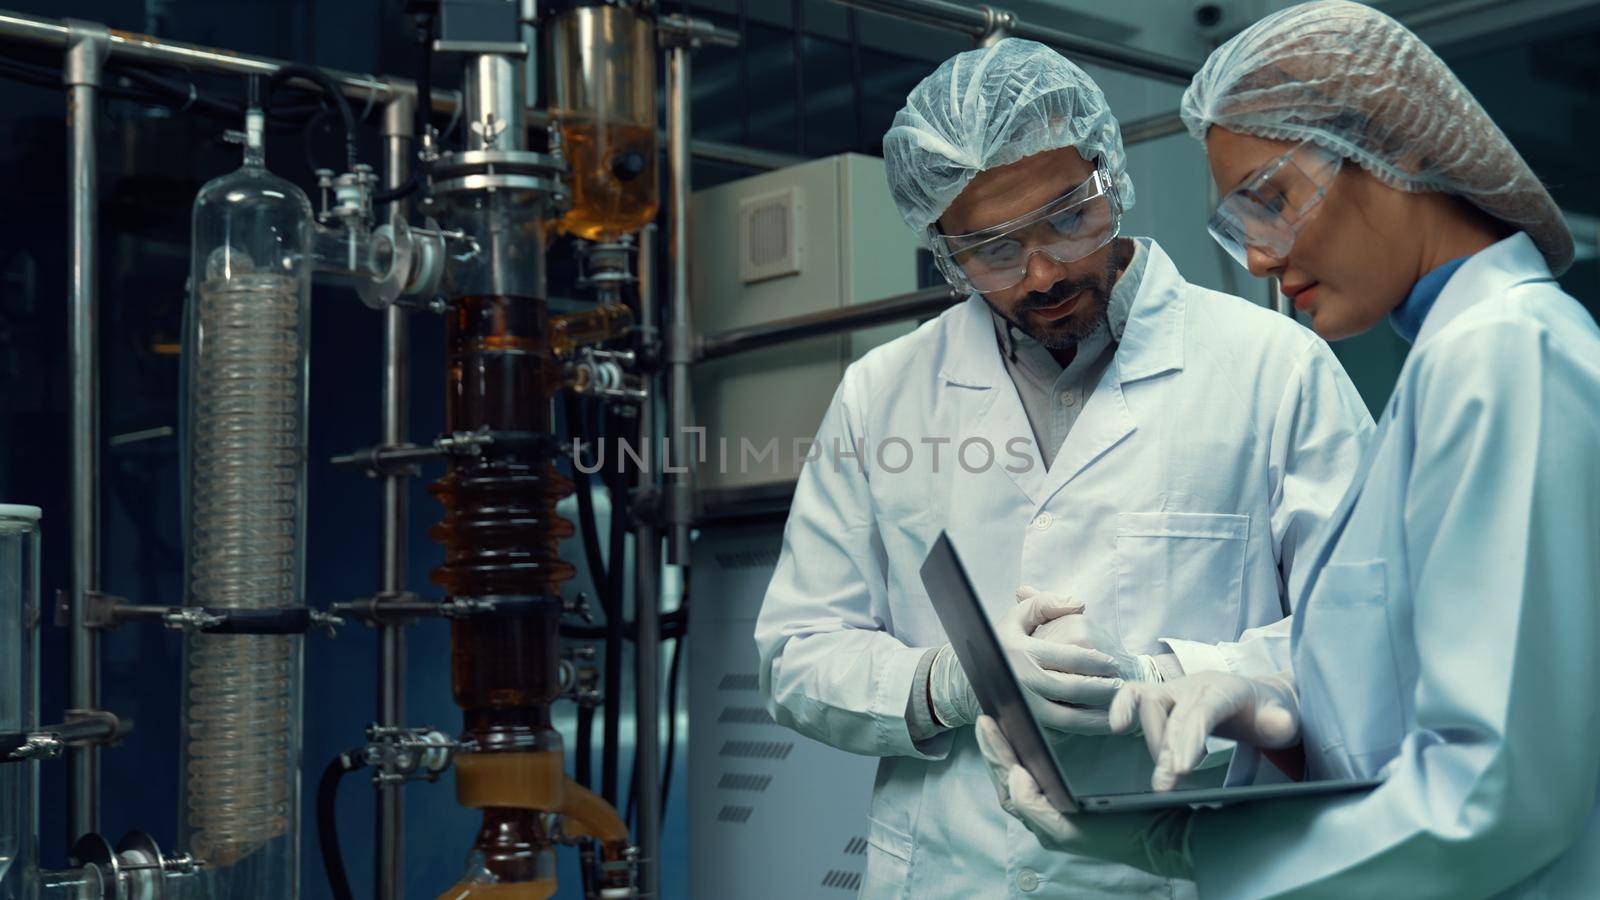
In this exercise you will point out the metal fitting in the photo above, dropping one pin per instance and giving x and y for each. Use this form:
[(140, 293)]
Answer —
[(402, 754)]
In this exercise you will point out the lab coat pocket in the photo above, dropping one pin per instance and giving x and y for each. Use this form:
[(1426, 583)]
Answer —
[(1179, 575), (888, 861), (1345, 662)]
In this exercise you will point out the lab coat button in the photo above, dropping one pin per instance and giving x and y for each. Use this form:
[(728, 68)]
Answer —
[(1042, 521), (1028, 880)]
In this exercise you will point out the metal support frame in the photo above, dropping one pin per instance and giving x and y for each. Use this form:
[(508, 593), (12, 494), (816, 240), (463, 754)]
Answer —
[(928, 301), (86, 45), (389, 875), (647, 609), (131, 47), (680, 332)]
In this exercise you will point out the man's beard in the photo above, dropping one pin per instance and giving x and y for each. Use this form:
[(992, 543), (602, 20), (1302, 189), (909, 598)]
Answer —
[(1066, 334)]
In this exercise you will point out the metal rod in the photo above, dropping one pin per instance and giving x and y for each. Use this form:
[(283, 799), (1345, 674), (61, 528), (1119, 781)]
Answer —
[(647, 607), (975, 22), (389, 877), (680, 333), (133, 47), (86, 53), (849, 318), (1151, 128), (799, 13)]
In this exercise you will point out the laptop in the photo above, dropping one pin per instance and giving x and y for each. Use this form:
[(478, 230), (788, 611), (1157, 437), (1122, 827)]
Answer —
[(1003, 698)]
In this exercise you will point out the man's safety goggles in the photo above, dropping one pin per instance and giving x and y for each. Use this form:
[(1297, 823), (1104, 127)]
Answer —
[(1066, 229), (1267, 212)]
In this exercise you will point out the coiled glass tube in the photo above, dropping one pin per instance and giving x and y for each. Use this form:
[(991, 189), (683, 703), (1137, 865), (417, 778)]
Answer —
[(245, 442)]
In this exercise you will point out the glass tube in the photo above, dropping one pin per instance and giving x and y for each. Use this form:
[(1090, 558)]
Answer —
[(603, 90), (246, 356), (19, 696)]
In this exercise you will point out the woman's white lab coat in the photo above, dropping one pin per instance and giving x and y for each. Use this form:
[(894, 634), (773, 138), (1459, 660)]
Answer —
[(1452, 640), (1193, 485)]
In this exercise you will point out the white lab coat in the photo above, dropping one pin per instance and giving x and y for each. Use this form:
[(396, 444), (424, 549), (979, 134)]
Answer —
[(1452, 640), (1203, 467)]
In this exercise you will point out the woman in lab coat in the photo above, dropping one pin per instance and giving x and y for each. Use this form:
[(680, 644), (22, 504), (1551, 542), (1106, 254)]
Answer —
[(1448, 639)]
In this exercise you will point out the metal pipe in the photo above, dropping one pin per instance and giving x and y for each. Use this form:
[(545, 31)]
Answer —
[(86, 54), (680, 332), (647, 606), (1151, 128), (389, 877), (132, 47), (833, 321), (978, 22)]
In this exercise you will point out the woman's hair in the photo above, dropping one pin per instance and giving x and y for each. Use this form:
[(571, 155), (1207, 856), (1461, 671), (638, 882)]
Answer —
[(1357, 82)]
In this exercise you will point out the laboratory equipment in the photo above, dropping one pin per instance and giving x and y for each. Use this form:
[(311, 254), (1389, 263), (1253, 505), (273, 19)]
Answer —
[(246, 358), (603, 98), (822, 235), (19, 696)]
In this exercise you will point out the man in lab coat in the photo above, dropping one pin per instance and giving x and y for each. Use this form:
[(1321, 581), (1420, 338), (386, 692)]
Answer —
[(1086, 423)]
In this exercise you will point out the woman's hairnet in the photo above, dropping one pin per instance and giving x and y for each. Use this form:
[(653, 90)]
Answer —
[(991, 107), (1359, 83)]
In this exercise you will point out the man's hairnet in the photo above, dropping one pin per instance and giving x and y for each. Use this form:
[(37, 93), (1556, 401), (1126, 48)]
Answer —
[(991, 107), (1359, 83)]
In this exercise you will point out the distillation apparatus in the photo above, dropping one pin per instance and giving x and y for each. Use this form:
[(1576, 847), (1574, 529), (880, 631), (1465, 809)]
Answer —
[(490, 208)]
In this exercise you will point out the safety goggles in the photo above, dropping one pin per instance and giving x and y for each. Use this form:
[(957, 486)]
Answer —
[(1267, 212), (1066, 229)]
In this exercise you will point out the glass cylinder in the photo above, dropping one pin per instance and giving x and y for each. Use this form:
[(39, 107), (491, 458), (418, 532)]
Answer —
[(245, 352), (19, 696), (603, 97)]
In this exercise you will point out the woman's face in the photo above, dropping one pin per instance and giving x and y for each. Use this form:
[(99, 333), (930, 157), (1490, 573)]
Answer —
[(1355, 258)]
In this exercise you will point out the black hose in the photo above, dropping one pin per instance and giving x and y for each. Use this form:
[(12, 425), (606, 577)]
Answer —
[(334, 94), (672, 724), (328, 823), (611, 752), (587, 527)]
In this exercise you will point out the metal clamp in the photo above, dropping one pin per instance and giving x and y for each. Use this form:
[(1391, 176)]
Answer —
[(602, 373), (405, 606), (579, 676), (81, 728), (104, 612), (401, 459), (136, 868), (402, 754), (346, 198)]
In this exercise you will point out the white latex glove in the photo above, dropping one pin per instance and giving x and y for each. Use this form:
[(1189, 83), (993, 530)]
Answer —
[(1085, 630), (1064, 674), (954, 703), (1078, 681), (1178, 715), (1156, 842)]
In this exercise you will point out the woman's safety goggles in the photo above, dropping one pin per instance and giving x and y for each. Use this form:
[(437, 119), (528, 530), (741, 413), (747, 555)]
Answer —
[(1066, 229), (1267, 212)]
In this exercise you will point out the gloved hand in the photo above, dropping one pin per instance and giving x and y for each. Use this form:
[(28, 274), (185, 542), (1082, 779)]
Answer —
[(1065, 674), (1085, 630), (1078, 681), (1178, 715), (1157, 842)]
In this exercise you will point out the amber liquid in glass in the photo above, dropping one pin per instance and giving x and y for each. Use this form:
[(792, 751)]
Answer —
[(501, 537), (614, 177)]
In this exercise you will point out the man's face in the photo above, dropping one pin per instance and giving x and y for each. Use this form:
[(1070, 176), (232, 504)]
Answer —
[(1057, 304)]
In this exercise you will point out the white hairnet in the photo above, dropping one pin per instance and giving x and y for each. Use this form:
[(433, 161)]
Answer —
[(991, 107), (1359, 83)]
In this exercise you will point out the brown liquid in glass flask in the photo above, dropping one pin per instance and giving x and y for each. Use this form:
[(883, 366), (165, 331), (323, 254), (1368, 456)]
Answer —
[(501, 537)]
